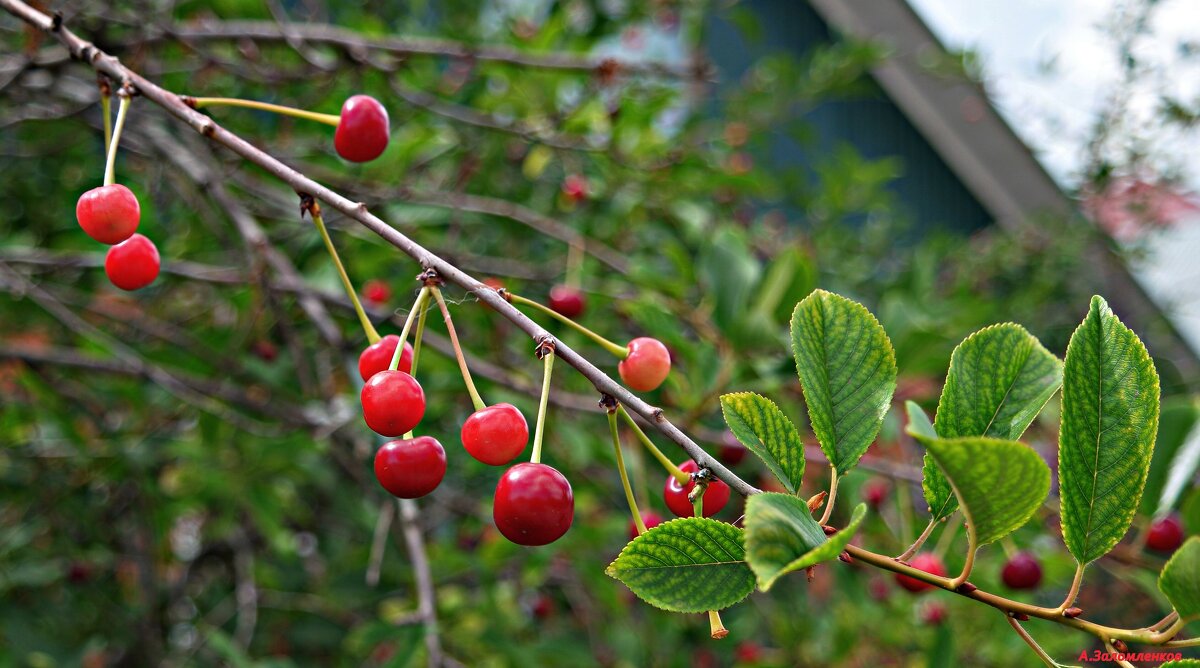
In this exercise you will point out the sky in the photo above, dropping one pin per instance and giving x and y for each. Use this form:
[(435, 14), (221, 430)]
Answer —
[(1049, 68)]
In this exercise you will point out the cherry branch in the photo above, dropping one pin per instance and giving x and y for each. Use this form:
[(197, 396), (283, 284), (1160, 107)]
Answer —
[(206, 126)]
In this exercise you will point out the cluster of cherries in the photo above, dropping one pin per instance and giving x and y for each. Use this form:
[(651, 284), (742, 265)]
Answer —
[(110, 214)]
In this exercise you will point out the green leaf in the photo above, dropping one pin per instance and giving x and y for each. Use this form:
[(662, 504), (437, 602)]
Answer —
[(1000, 378), (1000, 484), (759, 424), (1181, 472), (1180, 580), (938, 494), (686, 565), (847, 371), (782, 536), (1109, 419)]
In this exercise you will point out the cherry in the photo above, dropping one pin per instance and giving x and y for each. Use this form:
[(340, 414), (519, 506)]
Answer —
[(927, 562), (1023, 571), (542, 607), (393, 403), (264, 350), (410, 468), (676, 495), (732, 451), (568, 301), (534, 504), (109, 214), (377, 356), (647, 365), (934, 614), (377, 292), (748, 651), (650, 518), (133, 263), (1166, 534), (875, 492), (495, 435), (362, 133), (575, 187)]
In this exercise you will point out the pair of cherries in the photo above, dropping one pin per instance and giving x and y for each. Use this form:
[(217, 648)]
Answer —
[(534, 504), (110, 214)]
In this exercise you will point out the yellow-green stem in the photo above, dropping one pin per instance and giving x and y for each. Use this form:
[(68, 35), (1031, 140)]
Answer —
[(476, 400), (408, 323), (912, 549), (575, 264), (368, 328), (327, 119), (620, 352), (110, 165), (106, 110), (633, 508), (716, 628), (671, 468), (949, 533), (1037, 649), (833, 485), (548, 368), (417, 345), (1073, 592)]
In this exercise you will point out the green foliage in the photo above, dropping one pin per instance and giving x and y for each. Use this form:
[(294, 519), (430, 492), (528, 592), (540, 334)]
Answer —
[(1176, 426), (1180, 580), (847, 369), (782, 536), (686, 565), (999, 484), (1109, 420), (759, 424)]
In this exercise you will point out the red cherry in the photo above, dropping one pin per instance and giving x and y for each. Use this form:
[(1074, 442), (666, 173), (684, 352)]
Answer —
[(934, 614), (377, 292), (133, 263), (495, 435), (362, 133), (1166, 534), (377, 356), (732, 451), (1022, 572), (542, 607), (923, 562), (575, 187), (748, 651), (534, 504), (109, 214), (647, 365), (875, 492), (650, 518), (410, 468), (676, 495), (393, 403), (567, 300), (264, 350)]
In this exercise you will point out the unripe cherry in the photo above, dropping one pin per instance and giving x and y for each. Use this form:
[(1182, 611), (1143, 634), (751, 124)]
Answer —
[(495, 435), (109, 214), (650, 518), (646, 366), (410, 468), (927, 562), (534, 504), (393, 403), (377, 356), (1166, 534), (567, 301), (676, 495), (362, 133), (133, 263), (1023, 571)]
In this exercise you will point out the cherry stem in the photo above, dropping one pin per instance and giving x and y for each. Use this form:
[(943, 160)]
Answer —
[(327, 119), (698, 505), (833, 486), (476, 400), (417, 345), (912, 549), (408, 323), (1073, 592), (575, 264), (948, 535), (1009, 547), (1046, 658), (716, 629), (1113, 651), (619, 352), (106, 110), (670, 466), (368, 328), (548, 368), (111, 164), (633, 508)]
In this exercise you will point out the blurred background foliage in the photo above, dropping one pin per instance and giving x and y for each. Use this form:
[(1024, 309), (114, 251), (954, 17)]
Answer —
[(185, 479)]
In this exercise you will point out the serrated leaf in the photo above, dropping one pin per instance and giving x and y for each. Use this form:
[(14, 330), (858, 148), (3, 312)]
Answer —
[(999, 484), (1000, 378), (847, 369), (1109, 419), (1180, 580), (938, 494), (760, 426), (782, 536), (686, 565)]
